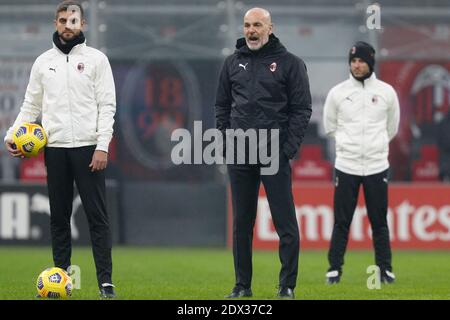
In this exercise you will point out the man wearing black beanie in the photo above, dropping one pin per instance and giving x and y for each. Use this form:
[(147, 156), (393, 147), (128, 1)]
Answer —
[(362, 114), (366, 53)]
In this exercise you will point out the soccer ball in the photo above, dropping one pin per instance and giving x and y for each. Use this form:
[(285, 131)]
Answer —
[(30, 138), (54, 283)]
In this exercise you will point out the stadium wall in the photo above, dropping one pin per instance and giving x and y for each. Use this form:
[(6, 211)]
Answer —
[(174, 214), (25, 215)]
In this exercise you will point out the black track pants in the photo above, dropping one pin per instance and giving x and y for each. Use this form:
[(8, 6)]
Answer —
[(345, 200), (245, 181), (64, 166)]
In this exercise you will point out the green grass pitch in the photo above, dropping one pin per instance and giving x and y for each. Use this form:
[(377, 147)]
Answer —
[(202, 274)]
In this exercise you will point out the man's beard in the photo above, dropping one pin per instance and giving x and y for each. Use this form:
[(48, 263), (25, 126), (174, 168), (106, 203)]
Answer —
[(65, 38), (254, 48), (363, 77), (259, 45)]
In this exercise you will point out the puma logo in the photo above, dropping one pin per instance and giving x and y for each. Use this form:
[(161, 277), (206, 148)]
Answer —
[(243, 66), (52, 69)]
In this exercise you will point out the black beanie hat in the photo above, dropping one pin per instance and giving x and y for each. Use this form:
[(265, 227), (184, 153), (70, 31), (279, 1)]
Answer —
[(365, 52)]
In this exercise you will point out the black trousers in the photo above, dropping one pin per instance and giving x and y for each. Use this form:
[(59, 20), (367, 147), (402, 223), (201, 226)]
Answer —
[(245, 182), (64, 166), (345, 199)]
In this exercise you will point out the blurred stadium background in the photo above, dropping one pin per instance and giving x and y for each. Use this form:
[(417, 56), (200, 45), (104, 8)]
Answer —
[(166, 56)]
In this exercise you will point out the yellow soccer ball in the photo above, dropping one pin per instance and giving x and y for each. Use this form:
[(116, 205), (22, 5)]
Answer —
[(29, 138), (54, 283)]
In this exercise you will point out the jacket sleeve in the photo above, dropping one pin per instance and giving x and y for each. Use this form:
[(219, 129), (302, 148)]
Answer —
[(32, 104), (299, 97), (105, 94), (330, 114), (393, 117), (223, 99)]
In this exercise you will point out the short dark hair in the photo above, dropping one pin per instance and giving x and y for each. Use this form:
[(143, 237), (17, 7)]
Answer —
[(63, 6)]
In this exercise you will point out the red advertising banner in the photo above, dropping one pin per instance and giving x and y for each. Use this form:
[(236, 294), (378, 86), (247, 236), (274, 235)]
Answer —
[(418, 217)]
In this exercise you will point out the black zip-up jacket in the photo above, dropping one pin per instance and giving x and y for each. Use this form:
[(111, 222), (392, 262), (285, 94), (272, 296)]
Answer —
[(265, 89)]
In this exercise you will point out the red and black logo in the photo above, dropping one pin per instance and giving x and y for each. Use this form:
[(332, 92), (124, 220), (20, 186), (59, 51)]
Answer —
[(80, 67)]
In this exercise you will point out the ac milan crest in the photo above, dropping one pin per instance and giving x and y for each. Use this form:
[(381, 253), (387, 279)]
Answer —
[(353, 50), (80, 67), (374, 99), (273, 67)]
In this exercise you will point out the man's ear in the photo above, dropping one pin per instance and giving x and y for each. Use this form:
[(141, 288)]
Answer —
[(271, 29)]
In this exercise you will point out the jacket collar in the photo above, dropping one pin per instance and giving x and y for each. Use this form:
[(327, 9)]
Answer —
[(67, 48), (366, 82), (74, 49)]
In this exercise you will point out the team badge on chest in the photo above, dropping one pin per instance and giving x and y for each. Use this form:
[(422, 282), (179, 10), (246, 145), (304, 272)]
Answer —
[(273, 67), (80, 67), (374, 99)]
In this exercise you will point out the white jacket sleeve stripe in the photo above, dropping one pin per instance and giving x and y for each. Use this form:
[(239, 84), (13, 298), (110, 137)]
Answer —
[(105, 94)]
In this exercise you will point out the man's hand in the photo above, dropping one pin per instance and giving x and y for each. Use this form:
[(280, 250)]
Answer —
[(99, 160), (12, 149)]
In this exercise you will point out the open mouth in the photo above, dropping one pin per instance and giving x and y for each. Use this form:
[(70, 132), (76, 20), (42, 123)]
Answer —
[(253, 39)]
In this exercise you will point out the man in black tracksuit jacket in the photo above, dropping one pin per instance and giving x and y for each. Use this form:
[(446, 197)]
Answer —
[(263, 86)]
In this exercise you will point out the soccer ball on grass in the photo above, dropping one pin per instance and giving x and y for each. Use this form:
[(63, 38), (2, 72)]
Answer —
[(54, 283)]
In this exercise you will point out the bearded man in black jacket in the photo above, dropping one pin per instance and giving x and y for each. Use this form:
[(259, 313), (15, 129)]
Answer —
[(263, 86)]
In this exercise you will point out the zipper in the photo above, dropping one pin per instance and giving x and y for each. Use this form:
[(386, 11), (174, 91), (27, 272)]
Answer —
[(253, 75), (363, 130), (253, 70), (68, 97)]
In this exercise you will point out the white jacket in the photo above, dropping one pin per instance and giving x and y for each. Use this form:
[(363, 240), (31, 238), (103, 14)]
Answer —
[(76, 96), (362, 119)]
